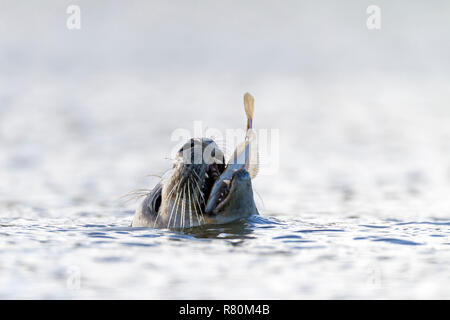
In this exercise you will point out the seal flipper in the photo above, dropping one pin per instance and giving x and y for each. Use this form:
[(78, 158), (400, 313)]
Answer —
[(147, 213)]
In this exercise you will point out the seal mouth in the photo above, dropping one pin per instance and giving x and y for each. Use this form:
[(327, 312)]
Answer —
[(212, 174), (199, 164)]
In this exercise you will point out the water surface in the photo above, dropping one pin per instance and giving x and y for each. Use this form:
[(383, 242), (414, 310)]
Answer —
[(98, 256)]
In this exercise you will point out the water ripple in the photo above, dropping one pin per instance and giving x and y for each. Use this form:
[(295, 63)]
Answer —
[(398, 241)]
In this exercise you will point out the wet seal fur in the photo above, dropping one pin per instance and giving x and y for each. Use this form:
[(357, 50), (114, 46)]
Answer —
[(179, 200)]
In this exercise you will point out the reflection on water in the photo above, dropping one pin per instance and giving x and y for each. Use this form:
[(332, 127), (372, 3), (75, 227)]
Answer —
[(240, 229), (237, 230)]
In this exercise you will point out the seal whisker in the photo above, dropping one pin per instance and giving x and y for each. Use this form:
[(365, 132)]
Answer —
[(190, 205), (199, 209), (199, 190), (183, 207), (157, 213), (173, 207), (177, 205), (134, 195), (130, 197), (178, 214), (170, 193), (198, 177), (175, 187), (198, 202), (156, 219), (195, 208)]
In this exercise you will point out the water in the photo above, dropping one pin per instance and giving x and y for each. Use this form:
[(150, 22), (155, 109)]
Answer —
[(357, 207), (278, 257)]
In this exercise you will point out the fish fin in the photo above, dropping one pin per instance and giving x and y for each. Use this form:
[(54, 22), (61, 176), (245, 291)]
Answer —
[(253, 167), (249, 106), (238, 154)]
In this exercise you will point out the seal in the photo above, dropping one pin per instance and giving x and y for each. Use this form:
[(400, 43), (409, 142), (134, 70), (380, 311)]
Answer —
[(180, 200), (201, 189)]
